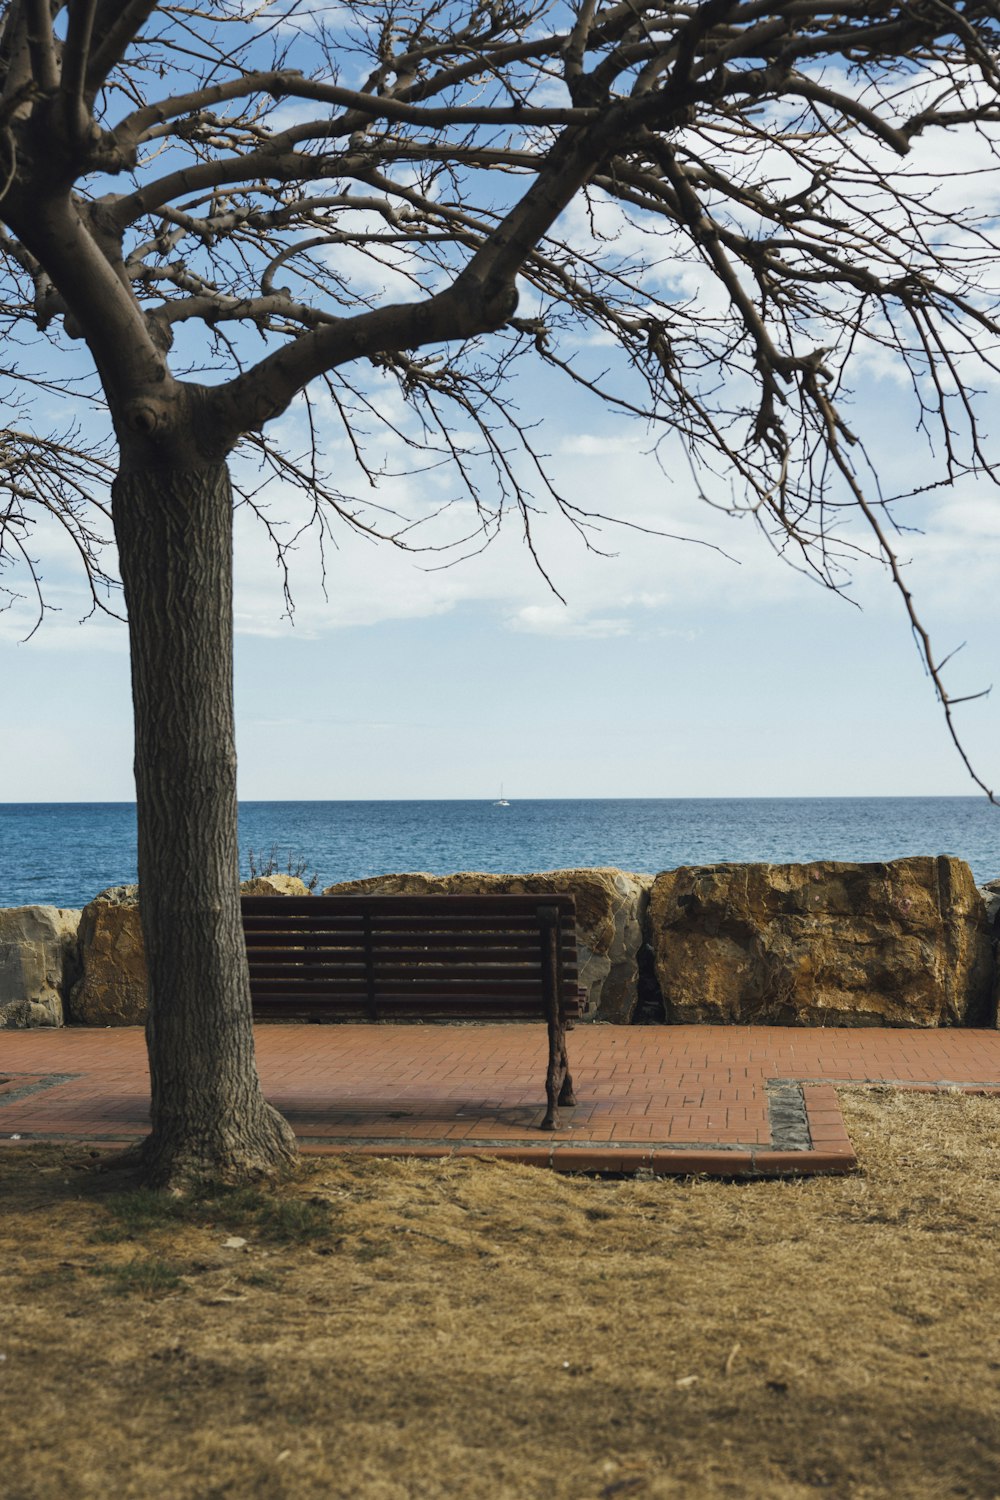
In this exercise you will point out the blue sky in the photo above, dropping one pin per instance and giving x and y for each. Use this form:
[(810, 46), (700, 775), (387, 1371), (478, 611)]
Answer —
[(670, 671)]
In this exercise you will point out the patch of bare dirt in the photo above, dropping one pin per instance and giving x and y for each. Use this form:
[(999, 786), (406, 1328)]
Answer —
[(396, 1330)]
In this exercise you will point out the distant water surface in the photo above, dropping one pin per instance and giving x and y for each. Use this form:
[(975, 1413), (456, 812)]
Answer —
[(64, 853)]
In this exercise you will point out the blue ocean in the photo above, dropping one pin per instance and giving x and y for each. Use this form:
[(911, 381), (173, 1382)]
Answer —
[(62, 854)]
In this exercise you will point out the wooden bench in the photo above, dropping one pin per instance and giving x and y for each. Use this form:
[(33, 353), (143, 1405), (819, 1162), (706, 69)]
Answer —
[(420, 958)]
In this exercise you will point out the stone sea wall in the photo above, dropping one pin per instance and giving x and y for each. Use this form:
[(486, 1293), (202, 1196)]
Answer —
[(910, 942)]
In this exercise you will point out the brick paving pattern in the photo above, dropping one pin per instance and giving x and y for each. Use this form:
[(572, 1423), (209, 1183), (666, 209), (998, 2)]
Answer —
[(732, 1101)]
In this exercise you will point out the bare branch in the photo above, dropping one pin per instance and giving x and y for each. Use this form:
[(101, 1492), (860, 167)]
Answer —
[(76, 54), (115, 27), (41, 45)]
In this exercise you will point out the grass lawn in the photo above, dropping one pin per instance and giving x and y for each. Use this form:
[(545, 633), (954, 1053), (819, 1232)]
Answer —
[(404, 1330)]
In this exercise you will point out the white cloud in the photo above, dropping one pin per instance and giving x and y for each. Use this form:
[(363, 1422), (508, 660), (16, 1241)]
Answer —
[(556, 619)]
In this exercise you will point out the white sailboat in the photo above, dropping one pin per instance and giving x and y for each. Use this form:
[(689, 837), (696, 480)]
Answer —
[(501, 800)]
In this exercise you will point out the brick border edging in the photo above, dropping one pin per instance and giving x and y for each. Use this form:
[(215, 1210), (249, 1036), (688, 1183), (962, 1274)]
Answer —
[(624, 1161), (829, 1152)]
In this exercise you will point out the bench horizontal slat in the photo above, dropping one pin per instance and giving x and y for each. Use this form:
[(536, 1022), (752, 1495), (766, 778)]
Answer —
[(513, 909), (428, 1014), (342, 958), (425, 942), (408, 906), (404, 958), (468, 993), (452, 1007), (413, 939), (461, 1005), (398, 977)]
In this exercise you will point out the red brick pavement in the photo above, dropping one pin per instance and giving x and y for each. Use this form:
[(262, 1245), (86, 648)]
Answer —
[(668, 1099)]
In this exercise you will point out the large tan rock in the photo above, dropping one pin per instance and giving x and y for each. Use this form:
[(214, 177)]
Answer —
[(610, 907), (899, 944), (112, 988), (274, 885), (38, 963)]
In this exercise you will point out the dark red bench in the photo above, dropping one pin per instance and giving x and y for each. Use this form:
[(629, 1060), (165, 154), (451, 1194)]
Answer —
[(420, 958)]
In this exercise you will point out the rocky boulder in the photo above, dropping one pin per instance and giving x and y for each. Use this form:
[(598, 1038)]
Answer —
[(610, 911), (111, 990), (274, 885), (112, 987), (38, 963), (899, 944)]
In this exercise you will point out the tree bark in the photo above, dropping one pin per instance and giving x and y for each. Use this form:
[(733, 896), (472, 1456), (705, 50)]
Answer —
[(209, 1118)]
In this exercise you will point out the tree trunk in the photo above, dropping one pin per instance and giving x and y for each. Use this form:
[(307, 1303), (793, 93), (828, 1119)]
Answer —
[(209, 1117)]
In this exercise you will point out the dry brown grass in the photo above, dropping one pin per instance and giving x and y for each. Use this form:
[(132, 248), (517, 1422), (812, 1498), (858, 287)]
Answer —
[(392, 1330)]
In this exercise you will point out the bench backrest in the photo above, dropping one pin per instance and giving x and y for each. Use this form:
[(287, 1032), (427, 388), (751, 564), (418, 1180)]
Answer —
[(417, 957)]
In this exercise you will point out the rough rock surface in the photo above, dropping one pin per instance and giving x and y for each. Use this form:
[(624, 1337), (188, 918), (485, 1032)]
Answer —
[(275, 885), (990, 893), (610, 908), (119, 895), (111, 990), (899, 944), (37, 964)]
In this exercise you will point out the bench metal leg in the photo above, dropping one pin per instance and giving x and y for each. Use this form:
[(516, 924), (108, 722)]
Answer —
[(558, 1083)]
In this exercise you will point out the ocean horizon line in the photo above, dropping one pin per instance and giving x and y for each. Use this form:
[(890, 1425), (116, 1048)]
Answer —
[(489, 797)]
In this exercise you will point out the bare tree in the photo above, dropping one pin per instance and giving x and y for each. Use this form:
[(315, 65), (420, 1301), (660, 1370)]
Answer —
[(234, 204)]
